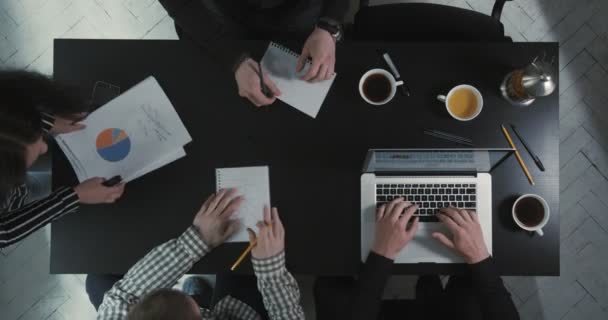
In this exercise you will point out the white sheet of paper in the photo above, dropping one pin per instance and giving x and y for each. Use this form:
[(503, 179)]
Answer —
[(253, 184), (178, 154), (280, 64), (142, 118)]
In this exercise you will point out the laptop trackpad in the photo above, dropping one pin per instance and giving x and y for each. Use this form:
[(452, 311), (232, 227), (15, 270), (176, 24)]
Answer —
[(425, 248)]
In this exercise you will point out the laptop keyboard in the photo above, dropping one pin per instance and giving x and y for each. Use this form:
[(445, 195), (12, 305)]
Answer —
[(429, 197)]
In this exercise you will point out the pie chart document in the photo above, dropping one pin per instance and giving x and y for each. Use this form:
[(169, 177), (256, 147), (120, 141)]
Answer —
[(133, 134)]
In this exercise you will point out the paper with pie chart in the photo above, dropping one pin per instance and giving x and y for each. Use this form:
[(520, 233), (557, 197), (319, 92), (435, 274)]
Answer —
[(133, 134)]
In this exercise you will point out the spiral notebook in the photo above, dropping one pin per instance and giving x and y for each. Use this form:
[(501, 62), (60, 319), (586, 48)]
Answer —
[(253, 184), (280, 64)]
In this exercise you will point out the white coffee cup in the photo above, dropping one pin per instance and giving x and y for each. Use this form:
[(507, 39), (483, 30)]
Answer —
[(546, 213), (446, 98), (394, 83)]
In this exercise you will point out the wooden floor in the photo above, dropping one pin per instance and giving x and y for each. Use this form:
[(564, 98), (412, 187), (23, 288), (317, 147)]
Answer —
[(27, 29)]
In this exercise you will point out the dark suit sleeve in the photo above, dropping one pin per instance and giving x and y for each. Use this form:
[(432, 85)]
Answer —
[(367, 295), (205, 29), (335, 9), (494, 299)]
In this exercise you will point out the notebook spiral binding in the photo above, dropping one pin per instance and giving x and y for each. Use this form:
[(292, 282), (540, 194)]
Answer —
[(218, 180), (285, 49)]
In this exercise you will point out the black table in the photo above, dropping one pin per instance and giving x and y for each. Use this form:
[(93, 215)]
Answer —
[(315, 164)]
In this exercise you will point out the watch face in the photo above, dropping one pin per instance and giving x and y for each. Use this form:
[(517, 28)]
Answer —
[(332, 27)]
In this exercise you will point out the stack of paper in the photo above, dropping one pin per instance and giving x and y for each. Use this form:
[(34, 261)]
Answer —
[(135, 133)]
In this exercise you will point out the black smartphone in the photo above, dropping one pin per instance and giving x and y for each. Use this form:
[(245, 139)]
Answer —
[(103, 93)]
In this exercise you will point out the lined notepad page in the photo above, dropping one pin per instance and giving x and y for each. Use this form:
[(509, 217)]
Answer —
[(253, 184), (280, 64)]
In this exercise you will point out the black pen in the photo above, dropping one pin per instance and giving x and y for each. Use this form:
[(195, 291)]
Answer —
[(536, 159), (404, 88), (265, 89), (448, 137), (112, 181)]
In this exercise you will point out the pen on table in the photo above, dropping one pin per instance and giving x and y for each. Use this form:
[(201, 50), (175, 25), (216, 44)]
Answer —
[(265, 89), (536, 159), (244, 254), (519, 159), (448, 137), (404, 88)]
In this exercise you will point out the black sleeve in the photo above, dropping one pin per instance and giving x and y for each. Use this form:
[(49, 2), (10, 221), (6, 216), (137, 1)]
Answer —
[(335, 9), (494, 299), (204, 29), (367, 295)]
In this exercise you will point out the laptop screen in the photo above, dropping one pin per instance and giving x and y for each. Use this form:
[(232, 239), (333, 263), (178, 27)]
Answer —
[(434, 160)]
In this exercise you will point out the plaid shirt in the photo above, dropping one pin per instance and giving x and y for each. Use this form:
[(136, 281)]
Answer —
[(164, 265)]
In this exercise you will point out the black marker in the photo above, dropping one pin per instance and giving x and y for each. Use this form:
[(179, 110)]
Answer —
[(534, 157), (112, 181)]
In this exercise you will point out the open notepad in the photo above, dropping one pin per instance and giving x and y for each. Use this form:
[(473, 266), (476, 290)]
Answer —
[(253, 184), (280, 64)]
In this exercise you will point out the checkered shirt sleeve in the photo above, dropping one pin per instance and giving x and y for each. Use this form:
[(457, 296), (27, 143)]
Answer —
[(279, 289), (160, 268)]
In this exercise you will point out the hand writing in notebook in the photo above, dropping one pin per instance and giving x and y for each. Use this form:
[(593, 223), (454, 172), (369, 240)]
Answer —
[(320, 47), (213, 221), (248, 81)]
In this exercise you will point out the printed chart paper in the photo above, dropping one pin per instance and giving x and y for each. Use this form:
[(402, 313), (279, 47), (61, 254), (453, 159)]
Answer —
[(133, 134)]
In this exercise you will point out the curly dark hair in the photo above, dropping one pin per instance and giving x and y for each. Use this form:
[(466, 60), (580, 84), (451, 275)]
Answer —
[(24, 96)]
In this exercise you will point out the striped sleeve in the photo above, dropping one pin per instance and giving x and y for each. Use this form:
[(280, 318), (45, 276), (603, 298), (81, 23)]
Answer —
[(48, 121), (16, 199), (18, 221), (160, 268), (279, 289)]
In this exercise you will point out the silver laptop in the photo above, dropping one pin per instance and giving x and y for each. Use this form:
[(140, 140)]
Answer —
[(433, 179)]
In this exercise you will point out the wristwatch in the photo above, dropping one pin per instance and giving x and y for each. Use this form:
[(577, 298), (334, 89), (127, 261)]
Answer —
[(332, 26)]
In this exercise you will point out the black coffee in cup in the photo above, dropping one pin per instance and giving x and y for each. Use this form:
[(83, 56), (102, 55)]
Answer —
[(530, 211), (377, 87)]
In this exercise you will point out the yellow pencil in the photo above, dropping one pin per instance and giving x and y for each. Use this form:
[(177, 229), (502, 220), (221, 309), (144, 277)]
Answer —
[(521, 161), (244, 254)]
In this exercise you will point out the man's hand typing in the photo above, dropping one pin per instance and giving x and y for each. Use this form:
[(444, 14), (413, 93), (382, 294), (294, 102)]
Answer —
[(467, 237), (393, 231)]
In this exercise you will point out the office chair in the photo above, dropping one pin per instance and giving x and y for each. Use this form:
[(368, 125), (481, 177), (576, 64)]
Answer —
[(425, 22)]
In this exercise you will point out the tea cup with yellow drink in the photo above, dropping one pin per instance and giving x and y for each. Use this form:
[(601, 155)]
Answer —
[(463, 102)]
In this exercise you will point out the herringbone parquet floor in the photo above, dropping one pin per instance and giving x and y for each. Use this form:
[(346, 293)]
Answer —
[(28, 27)]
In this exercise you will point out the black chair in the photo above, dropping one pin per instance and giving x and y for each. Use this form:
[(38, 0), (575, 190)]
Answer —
[(427, 22)]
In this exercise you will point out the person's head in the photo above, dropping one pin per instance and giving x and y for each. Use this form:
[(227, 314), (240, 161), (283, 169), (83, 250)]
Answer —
[(21, 143), (23, 97), (165, 304)]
